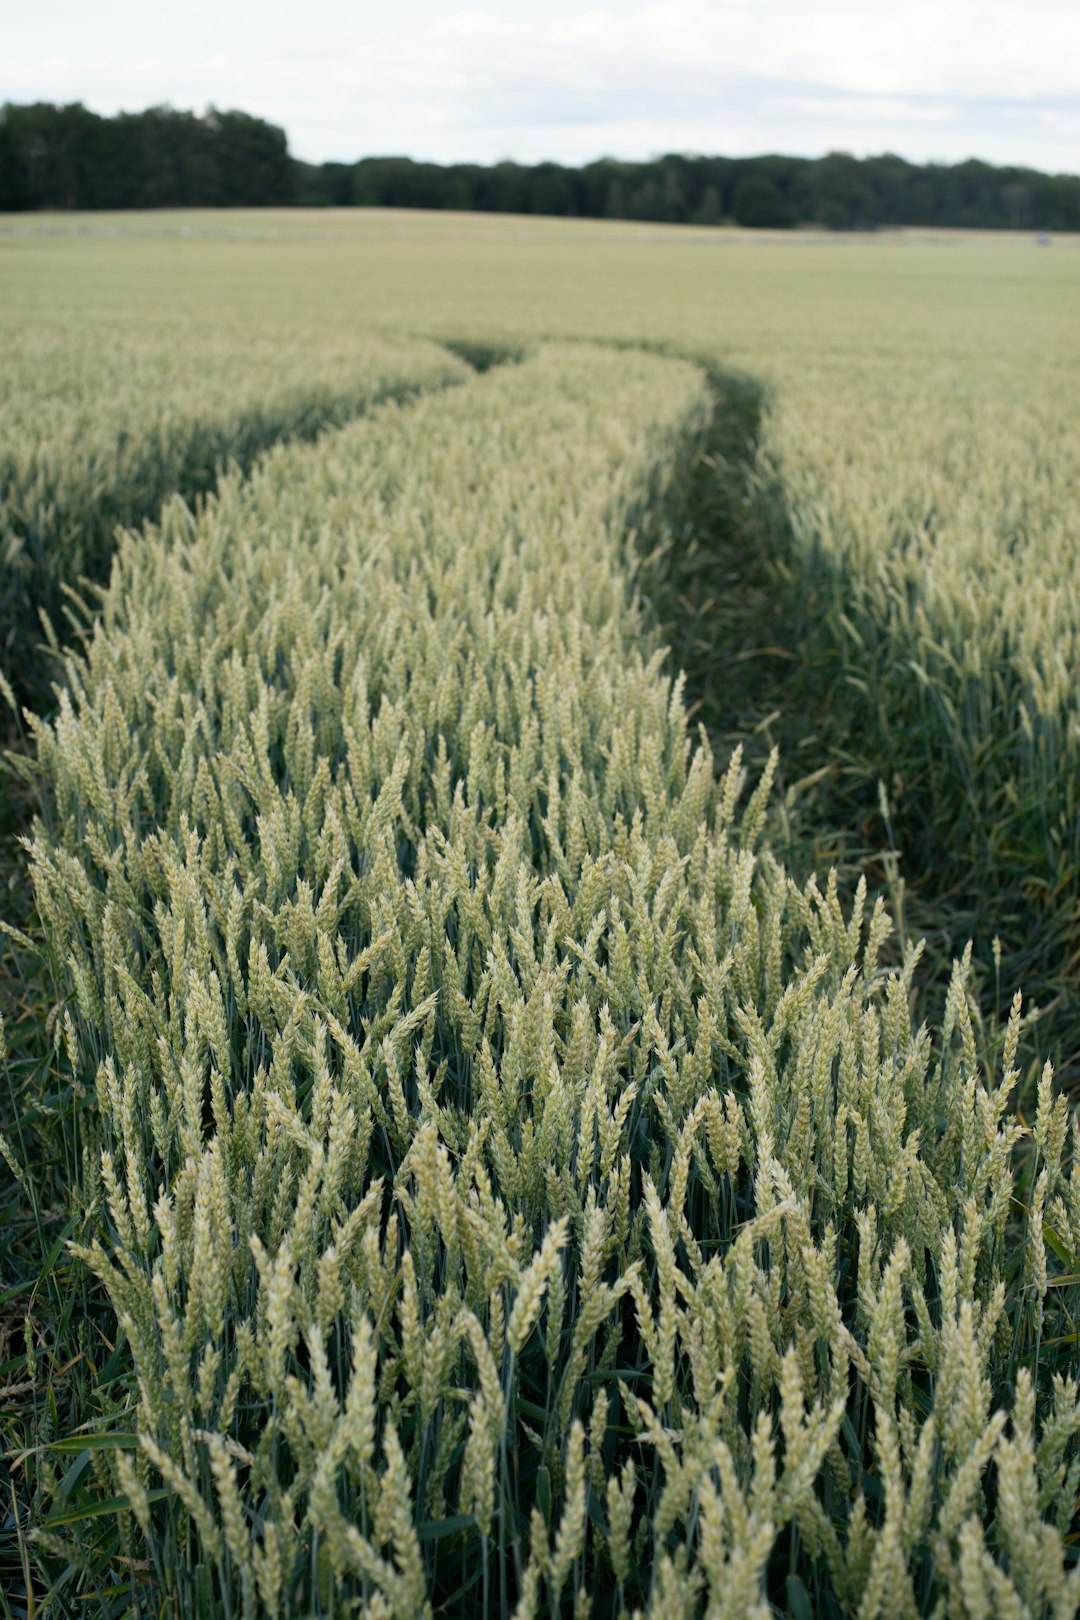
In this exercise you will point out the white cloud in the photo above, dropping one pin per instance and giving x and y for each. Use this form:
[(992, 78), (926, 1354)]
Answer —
[(951, 78)]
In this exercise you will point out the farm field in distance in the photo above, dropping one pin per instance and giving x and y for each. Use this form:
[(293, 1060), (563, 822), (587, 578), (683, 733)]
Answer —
[(513, 725)]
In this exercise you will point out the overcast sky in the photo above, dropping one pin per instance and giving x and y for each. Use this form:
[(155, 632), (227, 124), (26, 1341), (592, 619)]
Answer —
[(349, 78)]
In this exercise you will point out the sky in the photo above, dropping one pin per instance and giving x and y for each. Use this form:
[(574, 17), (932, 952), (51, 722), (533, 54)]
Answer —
[(480, 82)]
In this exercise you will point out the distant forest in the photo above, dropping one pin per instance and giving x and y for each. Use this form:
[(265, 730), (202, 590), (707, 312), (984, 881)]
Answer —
[(69, 157)]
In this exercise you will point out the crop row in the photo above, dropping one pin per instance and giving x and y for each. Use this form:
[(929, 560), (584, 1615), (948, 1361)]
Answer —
[(513, 1191), (933, 544), (96, 431)]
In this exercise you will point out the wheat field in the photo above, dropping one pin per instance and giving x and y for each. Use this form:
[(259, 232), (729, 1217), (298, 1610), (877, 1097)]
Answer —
[(462, 1156)]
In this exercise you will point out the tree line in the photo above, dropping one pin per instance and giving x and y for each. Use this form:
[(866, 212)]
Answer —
[(69, 157)]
